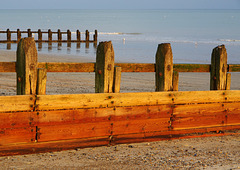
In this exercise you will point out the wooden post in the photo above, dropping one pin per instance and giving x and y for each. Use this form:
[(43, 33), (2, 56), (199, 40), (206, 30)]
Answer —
[(104, 70), (29, 33), (49, 35), (228, 86), (87, 35), (78, 35), (164, 68), (41, 81), (8, 35), (95, 36), (218, 75), (117, 79), (39, 35), (68, 35), (175, 80), (26, 67), (18, 35), (59, 35)]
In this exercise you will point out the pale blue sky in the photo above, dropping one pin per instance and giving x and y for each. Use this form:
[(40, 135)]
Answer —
[(120, 4)]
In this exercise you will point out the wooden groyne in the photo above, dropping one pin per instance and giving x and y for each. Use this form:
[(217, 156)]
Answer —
[(33, 122), (49, 33)]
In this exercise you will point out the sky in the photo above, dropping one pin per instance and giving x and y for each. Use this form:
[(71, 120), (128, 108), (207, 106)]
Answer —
[(120, 4)]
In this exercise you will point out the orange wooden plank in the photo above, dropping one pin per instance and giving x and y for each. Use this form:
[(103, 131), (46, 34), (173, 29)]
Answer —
[(17, 135), (17, 119)]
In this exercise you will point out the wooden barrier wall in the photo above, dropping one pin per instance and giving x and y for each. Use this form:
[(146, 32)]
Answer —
[(50, 34), (33, 122)]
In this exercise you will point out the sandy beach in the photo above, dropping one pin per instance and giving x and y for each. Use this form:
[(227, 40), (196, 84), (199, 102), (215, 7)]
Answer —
[(198, 153)]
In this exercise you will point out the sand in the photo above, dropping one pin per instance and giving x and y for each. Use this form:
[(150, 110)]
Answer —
[(198, 153)]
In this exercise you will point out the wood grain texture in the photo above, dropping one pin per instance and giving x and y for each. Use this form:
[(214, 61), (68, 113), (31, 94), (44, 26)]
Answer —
[(58, 102), (164, 68), (26, 67), (16, 103)]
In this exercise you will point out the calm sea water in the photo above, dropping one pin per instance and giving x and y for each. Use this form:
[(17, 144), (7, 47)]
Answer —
[(136, 33)]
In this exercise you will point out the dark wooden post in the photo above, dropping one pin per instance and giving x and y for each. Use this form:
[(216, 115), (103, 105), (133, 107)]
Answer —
[(49, 35), (18, 35), (39, 35), (104, 71), (29, 33), (26, 67), (164, 68), (78, 35), (59, 35), (218, 75), (41, 81), (68, 35), (95, 36), (87, 35), (8, 35)]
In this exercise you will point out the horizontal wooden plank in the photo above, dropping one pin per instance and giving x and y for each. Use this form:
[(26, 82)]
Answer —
[(136, 67), (58, 102), (7, 66), (17, 135), (68, 67), (234, 68), (191, 67), (16, 103), (74, 131), (18, 119), (41, 147), (126, 67), (79, 116)]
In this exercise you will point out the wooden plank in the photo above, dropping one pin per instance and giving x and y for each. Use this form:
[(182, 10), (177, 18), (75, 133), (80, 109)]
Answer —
[(41, 147), (67, 67), (234, 67), (218, 75), (164, 68), (58, 102), (16, 103), (7, 66), (41, 81), (104, 68), (26, 67), (117, 79), (136, 67), (18, 119), (192, 67), (228, 81), (175, 80), (74, 131), (16, 135)]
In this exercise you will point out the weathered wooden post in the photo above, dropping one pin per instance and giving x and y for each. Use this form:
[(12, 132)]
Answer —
[(104, 71), (78, 35), (59, 35), (87, 35), (95, 36), (26, 67), (39, 35), (164, 68), (41, 81), (117, 79), (218, 75), (49, 35), (8, 35), (68, 35), (29, 33), (175, 80), (18, 35)]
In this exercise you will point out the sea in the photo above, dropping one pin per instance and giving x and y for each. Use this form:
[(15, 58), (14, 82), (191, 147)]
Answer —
[(135, 34)]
